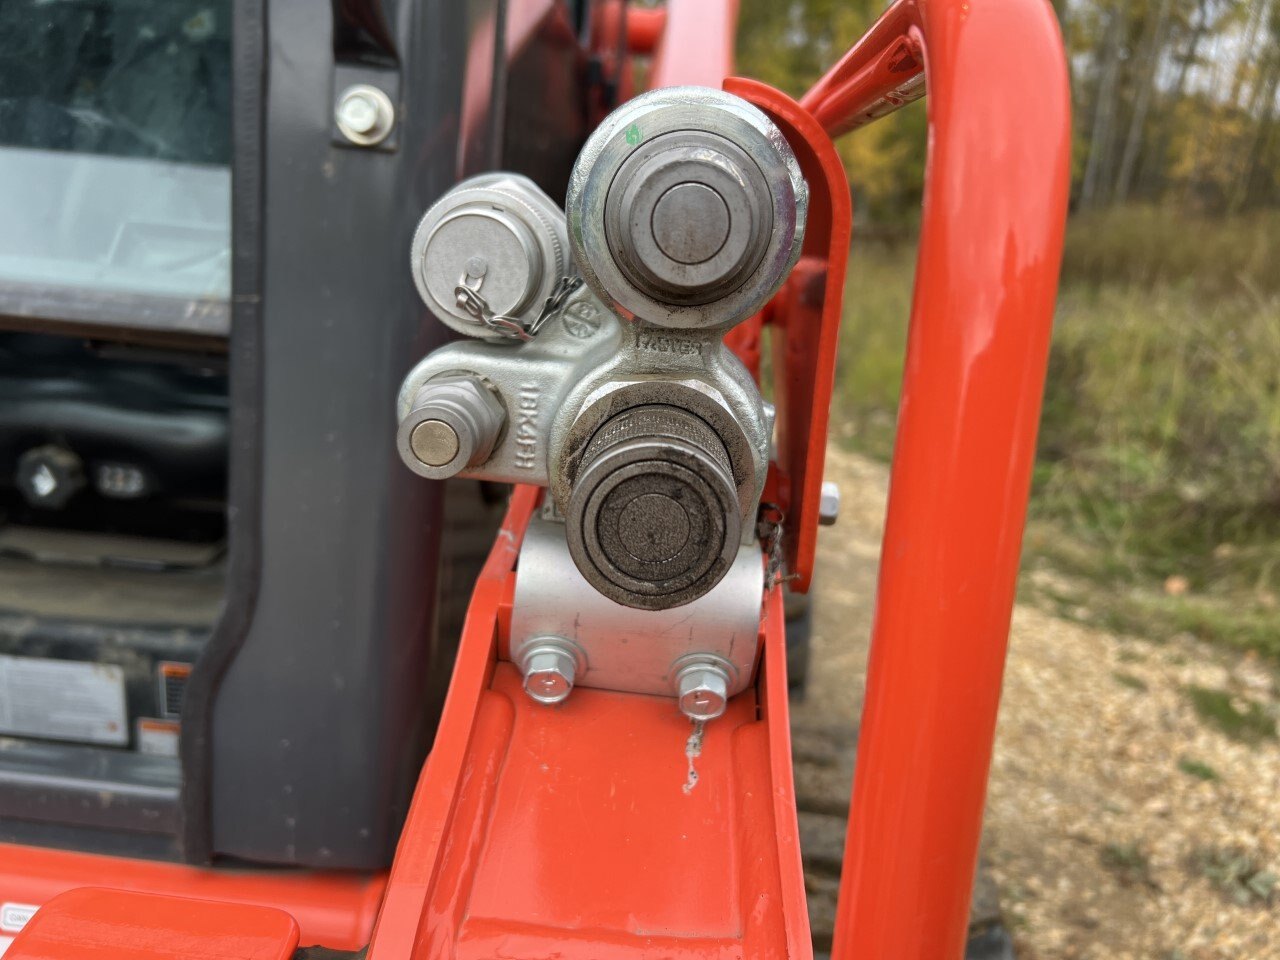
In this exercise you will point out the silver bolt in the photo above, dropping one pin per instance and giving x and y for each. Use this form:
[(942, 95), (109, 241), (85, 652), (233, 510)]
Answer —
[(549, 668), (360, 113), (703, 690), (364, 114), (829, 504)]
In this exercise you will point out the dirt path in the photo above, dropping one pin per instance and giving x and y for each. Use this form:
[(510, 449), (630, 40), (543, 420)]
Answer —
[(1120, 823)]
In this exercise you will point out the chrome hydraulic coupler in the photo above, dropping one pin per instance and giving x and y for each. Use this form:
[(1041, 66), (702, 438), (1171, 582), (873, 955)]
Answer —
[(595, 364)]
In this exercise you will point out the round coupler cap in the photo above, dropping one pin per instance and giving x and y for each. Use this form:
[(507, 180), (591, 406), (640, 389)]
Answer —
[(497, 235), (653, 517)]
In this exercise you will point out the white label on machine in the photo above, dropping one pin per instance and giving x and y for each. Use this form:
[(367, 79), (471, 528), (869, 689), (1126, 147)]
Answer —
[(13, 917), (63, 700), (157, 738)]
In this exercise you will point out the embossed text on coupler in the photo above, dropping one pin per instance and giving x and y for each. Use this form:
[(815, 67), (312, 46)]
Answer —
[(660, 344), (526, 426)]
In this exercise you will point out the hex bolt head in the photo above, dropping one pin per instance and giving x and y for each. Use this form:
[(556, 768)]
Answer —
[(364, 114), (702, 690), (549, 670), (49, 476), (829, 504)]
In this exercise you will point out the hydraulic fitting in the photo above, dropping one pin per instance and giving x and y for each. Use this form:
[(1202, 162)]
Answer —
[(453, 424), (491, 249), (653, 520), (686, 209)]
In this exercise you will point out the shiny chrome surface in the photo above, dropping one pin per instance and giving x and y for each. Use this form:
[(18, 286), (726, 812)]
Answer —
[(496, 239), (364, 114), (666, 152)]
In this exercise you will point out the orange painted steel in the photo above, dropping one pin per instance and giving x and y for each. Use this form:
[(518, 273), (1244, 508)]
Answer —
[(335, 910), (569, 830), (804, 320), (696, 46), (888, 57), (97, 924), (645, 26), (986, 280)]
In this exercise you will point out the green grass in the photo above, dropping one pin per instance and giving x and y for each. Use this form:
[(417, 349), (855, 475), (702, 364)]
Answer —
[(873, 339), (1159, 453), (1145, 247), (1130, 681), (1198, 769), (1239, 718), (1128, 862), (1238, 875)]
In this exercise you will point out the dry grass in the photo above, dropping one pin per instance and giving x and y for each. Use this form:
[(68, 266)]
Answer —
[(1157, 488)]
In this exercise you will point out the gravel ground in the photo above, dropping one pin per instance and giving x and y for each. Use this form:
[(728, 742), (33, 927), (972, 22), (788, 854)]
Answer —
[(1120, 822)]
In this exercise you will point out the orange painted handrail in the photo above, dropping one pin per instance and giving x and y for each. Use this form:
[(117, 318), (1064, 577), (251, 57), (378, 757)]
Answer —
[(986, 280)]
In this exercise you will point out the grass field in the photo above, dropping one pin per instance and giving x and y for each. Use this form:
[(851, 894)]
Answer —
[(1156, 501)]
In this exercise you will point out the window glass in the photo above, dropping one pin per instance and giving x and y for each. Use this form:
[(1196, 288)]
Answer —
[(115, 141)]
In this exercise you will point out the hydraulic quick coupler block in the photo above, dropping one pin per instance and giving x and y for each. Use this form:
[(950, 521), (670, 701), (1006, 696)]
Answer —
[(595, 364)]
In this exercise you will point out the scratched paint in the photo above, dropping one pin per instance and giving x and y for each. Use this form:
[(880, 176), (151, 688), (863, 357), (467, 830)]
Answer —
[(692, 751)]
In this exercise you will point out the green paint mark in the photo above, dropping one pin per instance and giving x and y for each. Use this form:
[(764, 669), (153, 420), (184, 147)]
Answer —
[(633, 135)]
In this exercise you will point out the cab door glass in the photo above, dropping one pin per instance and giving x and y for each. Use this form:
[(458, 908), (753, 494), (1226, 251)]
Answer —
[(115, 143)]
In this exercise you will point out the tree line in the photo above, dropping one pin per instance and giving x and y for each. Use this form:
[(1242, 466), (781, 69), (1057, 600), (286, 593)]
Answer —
[(1176, 102)]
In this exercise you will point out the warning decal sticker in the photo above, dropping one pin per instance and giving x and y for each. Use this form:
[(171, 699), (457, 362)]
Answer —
[(63, 700)]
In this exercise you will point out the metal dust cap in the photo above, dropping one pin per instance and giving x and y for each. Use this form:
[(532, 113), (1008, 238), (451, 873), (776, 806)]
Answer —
[(499, 237), (688, 218)]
